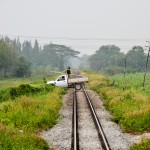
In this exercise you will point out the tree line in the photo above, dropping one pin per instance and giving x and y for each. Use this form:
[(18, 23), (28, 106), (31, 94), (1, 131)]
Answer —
[(11, 60), (20, 60), (109, 59)]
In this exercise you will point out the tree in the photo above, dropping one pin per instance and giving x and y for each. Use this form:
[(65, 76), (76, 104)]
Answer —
[(57, 55), (84, 62), (35, 52), (18, 45), (26, 50), (64, 54), (8, 55), (22, 67), (136, 58), (106, 57), (49, 56)]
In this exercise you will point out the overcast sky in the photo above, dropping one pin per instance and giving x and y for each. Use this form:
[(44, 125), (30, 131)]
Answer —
[(92, 19)]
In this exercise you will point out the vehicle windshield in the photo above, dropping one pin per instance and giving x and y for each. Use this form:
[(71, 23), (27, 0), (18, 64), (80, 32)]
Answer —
[(61, 78)]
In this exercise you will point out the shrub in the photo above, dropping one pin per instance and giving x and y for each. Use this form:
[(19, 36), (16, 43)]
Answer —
[(4, 94), (24, 89)]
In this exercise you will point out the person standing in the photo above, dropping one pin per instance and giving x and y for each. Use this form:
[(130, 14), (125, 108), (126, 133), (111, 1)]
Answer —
[(68, 72)]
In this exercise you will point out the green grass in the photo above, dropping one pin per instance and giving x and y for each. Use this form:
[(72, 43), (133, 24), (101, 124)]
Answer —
[(128, 103), (14, 82), (24, 89), (144, 145), (21, 141), (133, 81), (23, 117), (129, 107)]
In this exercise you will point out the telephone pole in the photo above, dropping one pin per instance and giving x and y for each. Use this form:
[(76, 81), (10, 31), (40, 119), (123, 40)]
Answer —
[(146, 63), (125, 66)]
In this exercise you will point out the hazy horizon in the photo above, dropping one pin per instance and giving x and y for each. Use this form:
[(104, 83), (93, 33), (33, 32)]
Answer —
[(88, 46), (122, 23)]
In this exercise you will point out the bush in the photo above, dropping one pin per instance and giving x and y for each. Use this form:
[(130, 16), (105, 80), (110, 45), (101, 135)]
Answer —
[(4, 94), (24, 89)]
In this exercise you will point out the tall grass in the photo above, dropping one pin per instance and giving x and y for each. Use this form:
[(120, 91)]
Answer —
[(24, 89), (127, 101), (22, 118), (133, 81), (130, 108)]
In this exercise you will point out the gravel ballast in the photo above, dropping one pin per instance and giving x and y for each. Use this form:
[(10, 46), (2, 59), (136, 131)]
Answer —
[(59, 137)]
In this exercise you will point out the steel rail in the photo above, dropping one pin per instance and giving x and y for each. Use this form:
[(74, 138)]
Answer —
[(101, 133), (75, 139)]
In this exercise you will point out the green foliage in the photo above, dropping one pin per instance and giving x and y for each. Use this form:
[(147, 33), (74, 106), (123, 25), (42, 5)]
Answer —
[(110, 60), (136, 58), (144, 145), (26, 50), (84, 62), (22, 68), (129, 106), (8, 55), (132, 124), (132, 81), (4, 94), (24, 89), (57, 55), (107, 56), (17, 140), (22, 119), (10, 61), (30, 113), (35, 53), (17, 62)]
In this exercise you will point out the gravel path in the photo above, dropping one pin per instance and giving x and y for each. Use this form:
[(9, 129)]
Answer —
[(59, 137)]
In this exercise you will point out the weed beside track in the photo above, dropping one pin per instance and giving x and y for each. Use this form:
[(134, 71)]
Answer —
[(27, 111)]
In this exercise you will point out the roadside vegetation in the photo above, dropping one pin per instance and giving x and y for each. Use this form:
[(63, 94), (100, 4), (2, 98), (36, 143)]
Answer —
[(21, 100), (133, 81), (25, 110), (144, 145), (129, 105)]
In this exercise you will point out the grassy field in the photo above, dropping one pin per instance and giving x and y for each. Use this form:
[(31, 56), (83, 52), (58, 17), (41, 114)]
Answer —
[(28, 106), (13, 82), (28, 109), (133, 82), (128, 103)]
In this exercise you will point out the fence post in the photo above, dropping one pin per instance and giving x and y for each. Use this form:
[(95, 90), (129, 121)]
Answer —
[(146, 65)]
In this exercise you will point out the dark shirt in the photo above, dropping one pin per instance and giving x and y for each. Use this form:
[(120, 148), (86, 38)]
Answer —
[(68, 71)]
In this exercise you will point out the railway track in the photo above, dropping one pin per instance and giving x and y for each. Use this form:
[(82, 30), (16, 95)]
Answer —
[(86, 135)]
